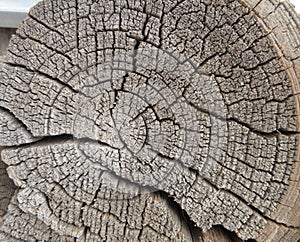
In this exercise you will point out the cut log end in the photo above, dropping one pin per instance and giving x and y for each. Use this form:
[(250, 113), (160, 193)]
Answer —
[(151, 121)]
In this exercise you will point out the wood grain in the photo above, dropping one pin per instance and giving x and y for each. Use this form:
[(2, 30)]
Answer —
[(152, 121)]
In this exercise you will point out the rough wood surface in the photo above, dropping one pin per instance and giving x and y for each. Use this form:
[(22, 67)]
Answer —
[(152, 121)]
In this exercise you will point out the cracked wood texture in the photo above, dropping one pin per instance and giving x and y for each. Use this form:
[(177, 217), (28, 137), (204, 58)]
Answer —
[(151, 120)]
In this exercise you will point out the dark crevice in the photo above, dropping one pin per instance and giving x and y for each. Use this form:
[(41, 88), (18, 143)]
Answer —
[(77, 24), (7, 189), (45, 25), (35, 71), (276, 132), (16, 118), (44, 45), (195, 231), (231, 235), (214, 234), (218, 231), (45, 141), (142, 221), (261, 133), (83, 238)]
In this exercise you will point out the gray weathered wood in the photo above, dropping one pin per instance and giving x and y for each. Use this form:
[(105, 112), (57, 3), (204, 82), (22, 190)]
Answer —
[(134, 120)]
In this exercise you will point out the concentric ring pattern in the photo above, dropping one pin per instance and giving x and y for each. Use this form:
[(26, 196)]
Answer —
[(105, 104)]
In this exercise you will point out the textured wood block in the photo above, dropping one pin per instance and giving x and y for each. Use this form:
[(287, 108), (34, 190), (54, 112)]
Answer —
[(152, 121)]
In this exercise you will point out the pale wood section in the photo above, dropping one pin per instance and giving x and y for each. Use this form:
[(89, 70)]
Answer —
[(281, 19)]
